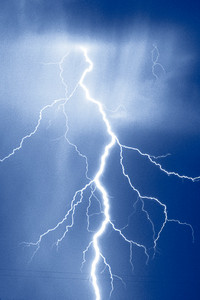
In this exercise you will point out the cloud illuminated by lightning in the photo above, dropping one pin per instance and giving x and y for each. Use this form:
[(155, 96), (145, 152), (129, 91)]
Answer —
[(95, 184)]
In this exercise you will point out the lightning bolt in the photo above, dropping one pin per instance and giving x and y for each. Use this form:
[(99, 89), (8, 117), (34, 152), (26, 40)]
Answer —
[(95, 184)]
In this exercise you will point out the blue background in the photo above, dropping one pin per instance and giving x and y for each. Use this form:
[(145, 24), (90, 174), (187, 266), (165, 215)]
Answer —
[(160, 116)]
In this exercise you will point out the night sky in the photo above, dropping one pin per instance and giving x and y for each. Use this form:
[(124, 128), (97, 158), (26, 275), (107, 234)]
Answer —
[(147, 76)]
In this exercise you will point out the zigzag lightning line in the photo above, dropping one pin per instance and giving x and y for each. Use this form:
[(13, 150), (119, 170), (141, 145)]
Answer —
[(95, 183)]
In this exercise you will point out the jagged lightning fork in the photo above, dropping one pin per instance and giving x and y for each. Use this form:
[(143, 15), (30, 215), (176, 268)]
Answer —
[(61, 101), (95, 183), (104, 193)]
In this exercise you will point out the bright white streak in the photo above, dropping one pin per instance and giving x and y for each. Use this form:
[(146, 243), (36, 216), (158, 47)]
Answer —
[(97, 180)]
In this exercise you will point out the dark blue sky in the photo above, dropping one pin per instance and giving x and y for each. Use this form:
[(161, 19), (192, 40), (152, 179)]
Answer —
[(97, 17), (158, 116)]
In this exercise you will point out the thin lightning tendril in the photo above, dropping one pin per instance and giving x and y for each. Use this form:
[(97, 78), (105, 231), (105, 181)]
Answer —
[(95, 183), (155, 54)]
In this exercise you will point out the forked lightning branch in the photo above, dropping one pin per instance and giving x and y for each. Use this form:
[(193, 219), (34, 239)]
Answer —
[(95, 184)]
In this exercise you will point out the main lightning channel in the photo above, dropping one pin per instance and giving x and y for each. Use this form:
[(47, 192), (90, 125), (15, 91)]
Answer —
[(97, 179)]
